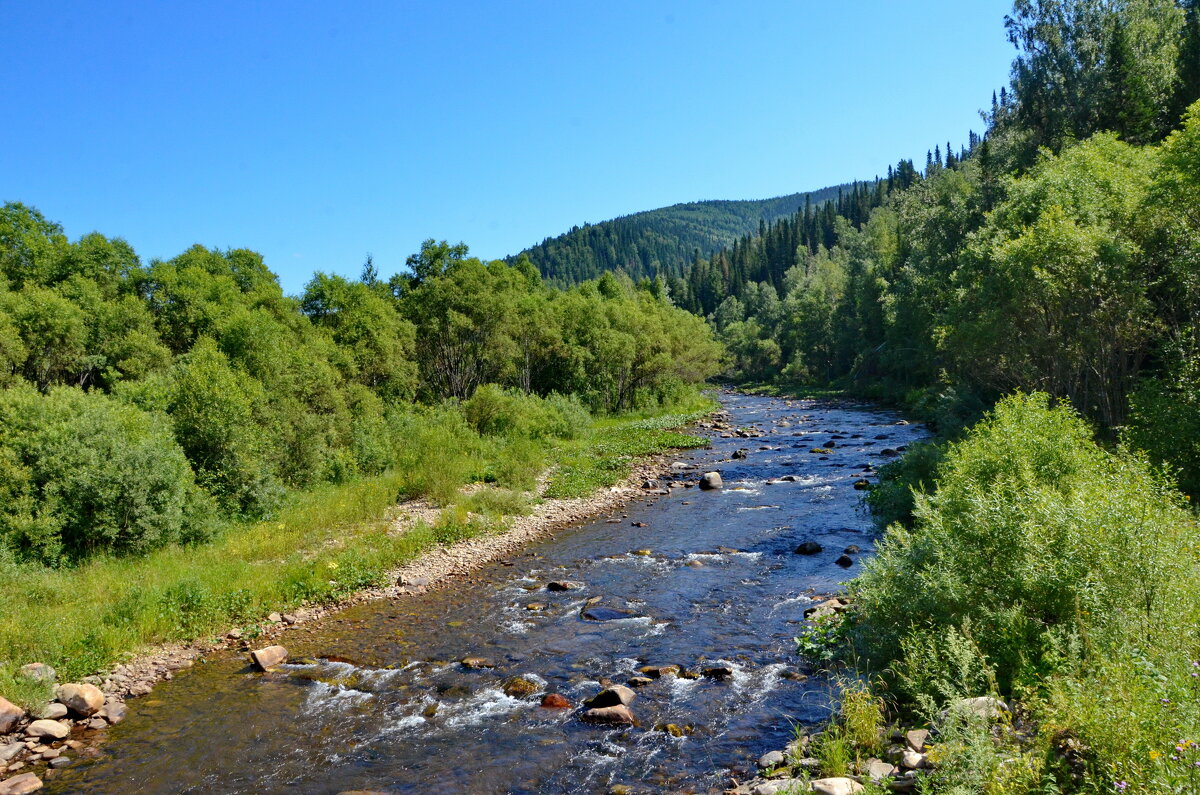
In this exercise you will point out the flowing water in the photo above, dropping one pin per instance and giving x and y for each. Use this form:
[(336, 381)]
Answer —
[(381, 703)]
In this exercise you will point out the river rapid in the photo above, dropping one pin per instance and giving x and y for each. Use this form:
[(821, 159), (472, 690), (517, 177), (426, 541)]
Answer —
[(375, 698)]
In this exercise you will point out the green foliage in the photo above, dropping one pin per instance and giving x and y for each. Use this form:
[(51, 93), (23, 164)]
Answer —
[(84, 473)]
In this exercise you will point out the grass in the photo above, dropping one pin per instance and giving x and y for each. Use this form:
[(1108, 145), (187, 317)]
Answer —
[(325, 544)]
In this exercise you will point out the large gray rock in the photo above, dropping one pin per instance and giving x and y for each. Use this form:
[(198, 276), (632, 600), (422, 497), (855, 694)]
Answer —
[(51, 729), (10, 715), (711, 480), (7, 752), (54, 711), (267, 658), (20, 785), (779, 786), (771, 759), (986, 707), (82, 699)]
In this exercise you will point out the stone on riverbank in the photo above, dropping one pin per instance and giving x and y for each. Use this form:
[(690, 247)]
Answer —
[(836, 786), (54, 711), (20, 785), (82, 699), (710, 481), (48, 729), (10, 715), (269, 657), (771, 759), (39, 672), (114, 712)]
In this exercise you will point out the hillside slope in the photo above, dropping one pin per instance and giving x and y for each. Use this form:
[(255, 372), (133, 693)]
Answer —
[(661, 241)]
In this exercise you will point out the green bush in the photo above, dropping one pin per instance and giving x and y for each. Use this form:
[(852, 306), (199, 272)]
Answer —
[(893, 498), (1165, 422), (85, 473), (435, 451), (495, 411), (1046, 567)]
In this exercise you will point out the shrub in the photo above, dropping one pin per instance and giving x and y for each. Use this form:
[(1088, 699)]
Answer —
[(495, 411), (435, 451), (84, 473)]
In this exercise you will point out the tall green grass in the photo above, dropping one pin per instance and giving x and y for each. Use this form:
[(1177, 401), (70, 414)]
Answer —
[(324, 544)]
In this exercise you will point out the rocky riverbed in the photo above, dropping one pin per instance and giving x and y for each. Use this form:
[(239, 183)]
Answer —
[(648, 649)]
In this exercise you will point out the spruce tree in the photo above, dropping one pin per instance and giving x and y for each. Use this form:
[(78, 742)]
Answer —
[(1129, 109)]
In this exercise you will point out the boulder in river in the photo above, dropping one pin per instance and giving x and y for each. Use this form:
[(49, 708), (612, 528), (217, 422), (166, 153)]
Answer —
[(845, 561), (564, 585), (519, 687), (659, 671), (82, 699), (113, 712), (619, 715), (711, 480), (10, 715), (862, 484), (808, 547), (267, 658), (738, 455), (611, 697), (555, 701)]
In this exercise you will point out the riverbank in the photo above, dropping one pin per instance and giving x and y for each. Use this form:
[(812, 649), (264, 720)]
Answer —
[(329, 550)]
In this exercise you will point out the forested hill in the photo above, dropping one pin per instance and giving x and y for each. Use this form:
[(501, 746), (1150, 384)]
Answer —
[(662, 241)]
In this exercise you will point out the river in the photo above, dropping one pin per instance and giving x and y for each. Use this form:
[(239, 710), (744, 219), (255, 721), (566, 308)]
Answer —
[(376, 700)]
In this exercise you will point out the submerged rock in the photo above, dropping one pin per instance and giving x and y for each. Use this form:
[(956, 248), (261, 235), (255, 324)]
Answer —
[(519, 687), (618, 714), (808, 547), (599, 613), (20, 785)]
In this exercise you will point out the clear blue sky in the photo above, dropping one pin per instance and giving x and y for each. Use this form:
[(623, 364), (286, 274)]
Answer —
[(317, 132)]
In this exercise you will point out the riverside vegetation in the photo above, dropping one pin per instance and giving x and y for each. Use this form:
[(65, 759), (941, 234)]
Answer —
[(183, 447)]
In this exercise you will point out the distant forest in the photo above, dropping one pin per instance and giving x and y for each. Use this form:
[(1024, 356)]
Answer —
[(661, 242)]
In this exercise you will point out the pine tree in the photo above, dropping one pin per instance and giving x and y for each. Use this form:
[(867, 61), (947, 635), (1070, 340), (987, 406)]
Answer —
[(1129, 109), (1187, 66)]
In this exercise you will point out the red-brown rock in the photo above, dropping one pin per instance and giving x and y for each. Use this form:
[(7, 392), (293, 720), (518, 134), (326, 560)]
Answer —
[(555, 701)]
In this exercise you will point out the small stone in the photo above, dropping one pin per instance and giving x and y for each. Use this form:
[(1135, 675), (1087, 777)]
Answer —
[(141, 688), (916, 739), (555, 701), (7, 752), (54, 711), (740, 454), (564, 585), (912, 760), (809, 547), (771, 759), (853, 549), (267, 658), (845, 561), (695, 564), (778, 786), (878, 770), (114, 712), (658, 671), (536, 607), (82, 699), (710, 481), (60, 761), (289, 619), (618, 714), (862, 484), (48, 728), (234, 634), (640, 681), (274, 618), (412, 581), (673, 729), (611, 697), (20, 785), (10, 715), (478, 662), (718, 672), (598, 613), (97, 723)]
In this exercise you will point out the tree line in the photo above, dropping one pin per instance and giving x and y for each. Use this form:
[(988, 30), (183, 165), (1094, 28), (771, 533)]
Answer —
[(143, 404), (1057, 252)]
